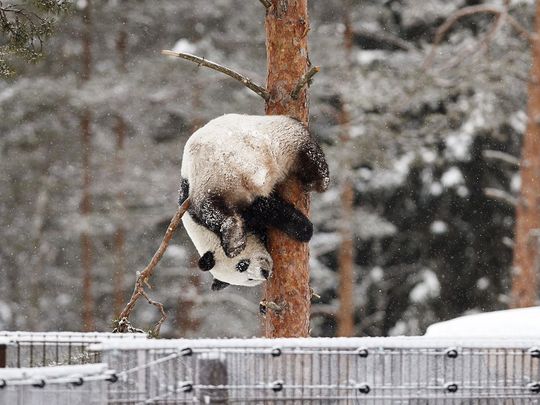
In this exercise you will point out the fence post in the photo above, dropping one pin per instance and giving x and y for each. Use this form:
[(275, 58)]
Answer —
[(212, 370), (3, 349)]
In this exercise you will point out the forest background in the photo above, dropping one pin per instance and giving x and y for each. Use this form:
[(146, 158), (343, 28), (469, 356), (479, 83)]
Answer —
[(91, 140)]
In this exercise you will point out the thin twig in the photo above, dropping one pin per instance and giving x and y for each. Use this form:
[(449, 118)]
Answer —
[(305, 79), (482, 45), (261, 91), (144, 276), (468, 11), (266, 3)]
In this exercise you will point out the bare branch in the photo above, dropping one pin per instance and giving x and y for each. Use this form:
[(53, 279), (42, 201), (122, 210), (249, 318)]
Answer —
[(380, 39), (142, 279), (304, 80), (324, 311), (482, 45), (266, 3), (499, 156), (472, 10), (261, 91), (501, 196)]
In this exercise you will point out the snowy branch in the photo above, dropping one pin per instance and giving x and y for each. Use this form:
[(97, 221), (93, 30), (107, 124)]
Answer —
[(123, 324), (304, 80), (261, 91), (500, 195), (499, 156), (501, 14), (324, 310), (266, 3)]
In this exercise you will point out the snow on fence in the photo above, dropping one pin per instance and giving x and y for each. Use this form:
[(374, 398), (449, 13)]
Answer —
[(325, 371), (35, 349), (59, 385)]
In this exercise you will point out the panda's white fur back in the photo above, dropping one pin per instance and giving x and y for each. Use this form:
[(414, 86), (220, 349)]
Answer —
[(241, 156), (225, 268)]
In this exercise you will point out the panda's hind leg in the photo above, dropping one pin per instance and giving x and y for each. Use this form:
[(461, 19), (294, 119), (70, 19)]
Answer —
[(311, 167), (275, 212), (214, 214)]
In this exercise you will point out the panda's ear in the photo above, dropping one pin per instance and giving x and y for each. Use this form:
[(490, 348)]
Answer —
[(207, 261), (219, 285)]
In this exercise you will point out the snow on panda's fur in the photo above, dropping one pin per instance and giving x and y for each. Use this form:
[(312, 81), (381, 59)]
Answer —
[(230, 168)]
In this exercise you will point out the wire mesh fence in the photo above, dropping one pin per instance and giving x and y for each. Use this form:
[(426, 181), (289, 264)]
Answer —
[(34, 349), (325, 371), (417, 371)]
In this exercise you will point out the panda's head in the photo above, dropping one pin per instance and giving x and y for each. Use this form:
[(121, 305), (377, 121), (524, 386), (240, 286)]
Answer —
[(250, 268)]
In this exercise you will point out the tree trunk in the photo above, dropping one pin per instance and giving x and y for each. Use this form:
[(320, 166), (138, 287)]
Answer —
[(345, 315), (85, 207), (524, 282), (287, 26), (120, 233)]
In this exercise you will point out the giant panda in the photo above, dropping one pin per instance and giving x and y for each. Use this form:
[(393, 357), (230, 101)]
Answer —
[(230, 170)]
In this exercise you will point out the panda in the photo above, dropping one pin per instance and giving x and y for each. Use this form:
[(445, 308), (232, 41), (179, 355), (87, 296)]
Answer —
[(230, 170)]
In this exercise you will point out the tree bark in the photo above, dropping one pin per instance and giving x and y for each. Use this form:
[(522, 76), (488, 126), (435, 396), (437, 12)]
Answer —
[(526, 250), (345, 315), (86, 149), (287, 26)]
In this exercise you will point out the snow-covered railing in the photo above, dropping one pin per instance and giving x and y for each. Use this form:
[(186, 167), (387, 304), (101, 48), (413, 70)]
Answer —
[(58, 385), (355, 370), (38, 349)]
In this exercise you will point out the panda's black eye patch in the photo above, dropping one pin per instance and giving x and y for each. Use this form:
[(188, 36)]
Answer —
[(242, 265), (206, 262)]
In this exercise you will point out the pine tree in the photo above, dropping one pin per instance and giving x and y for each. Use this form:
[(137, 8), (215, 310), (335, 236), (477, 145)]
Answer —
[(287, 26), (24, 27), (526, 250)]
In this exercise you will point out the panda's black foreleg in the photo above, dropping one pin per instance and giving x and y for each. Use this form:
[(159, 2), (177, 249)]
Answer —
[(311, 167), (214, 214), (275, 212)]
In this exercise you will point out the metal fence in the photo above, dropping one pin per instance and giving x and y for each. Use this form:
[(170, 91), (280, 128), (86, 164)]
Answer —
[(34, 349), (416, 371), (325, 371), (62, 385)]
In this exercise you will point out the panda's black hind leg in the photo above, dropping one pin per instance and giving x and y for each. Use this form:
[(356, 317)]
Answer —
[(311, 167), (275, 212)]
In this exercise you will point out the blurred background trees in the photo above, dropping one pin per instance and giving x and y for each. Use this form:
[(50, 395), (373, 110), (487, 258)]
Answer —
[(413, 155)]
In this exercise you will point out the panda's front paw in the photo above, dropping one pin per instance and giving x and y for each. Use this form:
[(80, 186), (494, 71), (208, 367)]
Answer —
[(233, 236)]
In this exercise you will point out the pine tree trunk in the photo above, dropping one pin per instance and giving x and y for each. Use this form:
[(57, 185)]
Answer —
[(526, 250), (287, 26), (345, 315), (85, 207), (120, 233)]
